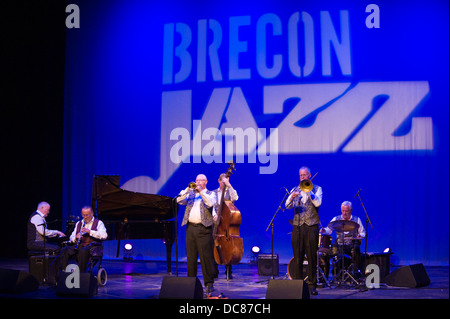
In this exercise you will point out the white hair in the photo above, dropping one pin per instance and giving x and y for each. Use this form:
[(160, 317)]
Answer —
[(305, 168), (42, 204), (347, 203)]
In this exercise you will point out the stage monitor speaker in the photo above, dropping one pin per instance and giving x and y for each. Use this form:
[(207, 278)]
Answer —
[(382, 260), (412, 276), (87, 287), (267, 266), (43, 267), (181, 288), (17, 281), (287, 289)]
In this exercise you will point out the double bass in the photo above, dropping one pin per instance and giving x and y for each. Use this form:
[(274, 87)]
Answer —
[(228, 245)]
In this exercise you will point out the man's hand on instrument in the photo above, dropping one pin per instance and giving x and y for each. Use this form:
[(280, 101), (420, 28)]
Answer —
[(295, 194), (226, 181)]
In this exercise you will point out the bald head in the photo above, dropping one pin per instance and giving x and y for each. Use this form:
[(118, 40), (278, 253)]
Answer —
[(201, 181)]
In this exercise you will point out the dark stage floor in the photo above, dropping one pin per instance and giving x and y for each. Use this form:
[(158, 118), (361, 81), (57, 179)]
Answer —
[(142, 280)]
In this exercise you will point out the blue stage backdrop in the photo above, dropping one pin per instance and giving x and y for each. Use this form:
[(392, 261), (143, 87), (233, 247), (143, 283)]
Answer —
[(160, 91)]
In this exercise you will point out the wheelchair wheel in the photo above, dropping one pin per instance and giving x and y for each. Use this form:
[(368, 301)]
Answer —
[(102, 276)]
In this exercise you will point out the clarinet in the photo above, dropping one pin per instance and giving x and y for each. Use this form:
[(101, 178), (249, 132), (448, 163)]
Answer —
[(81, 234)]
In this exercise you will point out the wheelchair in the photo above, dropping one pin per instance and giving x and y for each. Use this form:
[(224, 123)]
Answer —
[(95, 261)]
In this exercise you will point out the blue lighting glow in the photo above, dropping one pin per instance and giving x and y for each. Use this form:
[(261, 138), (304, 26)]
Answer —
[(160, 91)]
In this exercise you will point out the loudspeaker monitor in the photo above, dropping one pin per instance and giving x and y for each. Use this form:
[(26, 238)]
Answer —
[(287, 289), (181, 288), (87, 285), (43, 267), (268, 266), (17, 281), (412, 276), (382, 260)]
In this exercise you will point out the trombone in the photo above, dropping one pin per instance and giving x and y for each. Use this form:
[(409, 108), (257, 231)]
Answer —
[(306, 185)]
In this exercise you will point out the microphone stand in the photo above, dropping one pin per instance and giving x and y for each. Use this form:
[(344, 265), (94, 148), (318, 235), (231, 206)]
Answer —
[(271, 226), (45, 263), (367, 221), (175, 211), (46, 253)]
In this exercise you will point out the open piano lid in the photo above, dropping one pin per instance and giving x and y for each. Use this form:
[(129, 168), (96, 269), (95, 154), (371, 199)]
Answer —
[(115, 204)]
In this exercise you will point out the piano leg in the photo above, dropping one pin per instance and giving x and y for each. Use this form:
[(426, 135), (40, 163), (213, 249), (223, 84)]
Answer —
[(118, 248), (169, 244)]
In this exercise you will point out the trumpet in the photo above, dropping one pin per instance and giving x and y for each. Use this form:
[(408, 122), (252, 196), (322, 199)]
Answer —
[(192, 185), (306, 185)]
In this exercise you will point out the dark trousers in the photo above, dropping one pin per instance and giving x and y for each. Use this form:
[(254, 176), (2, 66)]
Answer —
[(199, 242), (305, 239), (81, 256)]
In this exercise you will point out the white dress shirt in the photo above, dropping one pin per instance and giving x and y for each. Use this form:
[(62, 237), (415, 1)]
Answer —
[(100, 233), (316, 198), (233, 197), (348, 235), (39, 220)]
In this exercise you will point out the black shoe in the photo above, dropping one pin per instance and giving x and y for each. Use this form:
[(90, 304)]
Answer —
[(209, 288), (312, 290)]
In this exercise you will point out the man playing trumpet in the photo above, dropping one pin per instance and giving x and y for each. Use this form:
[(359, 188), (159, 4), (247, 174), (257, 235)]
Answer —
[(199, 220), (305, 199)]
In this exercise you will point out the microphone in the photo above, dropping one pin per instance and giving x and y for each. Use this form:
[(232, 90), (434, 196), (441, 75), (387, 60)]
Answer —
[(358, 192)]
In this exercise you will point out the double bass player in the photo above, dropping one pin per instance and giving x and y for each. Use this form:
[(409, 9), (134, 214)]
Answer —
[(231, 195)]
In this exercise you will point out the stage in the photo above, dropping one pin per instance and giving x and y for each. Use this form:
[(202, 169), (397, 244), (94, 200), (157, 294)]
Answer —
[(142, 280)]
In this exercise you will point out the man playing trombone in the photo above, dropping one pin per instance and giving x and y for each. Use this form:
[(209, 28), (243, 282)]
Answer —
[(305, 199)]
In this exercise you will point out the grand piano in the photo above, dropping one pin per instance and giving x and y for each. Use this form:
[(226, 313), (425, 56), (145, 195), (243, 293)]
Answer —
[(132, 215)]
